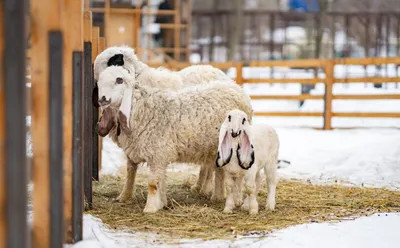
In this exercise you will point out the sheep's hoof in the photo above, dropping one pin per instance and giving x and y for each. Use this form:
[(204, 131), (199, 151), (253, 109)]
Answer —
[(122, 198), (195, 188), (245, 206), (150, 209), (227, 211), (253, 211), (217, 198), (270, 206), (239, 202)]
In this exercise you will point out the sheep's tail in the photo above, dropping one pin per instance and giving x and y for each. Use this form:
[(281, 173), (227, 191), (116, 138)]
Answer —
[(287, 163)]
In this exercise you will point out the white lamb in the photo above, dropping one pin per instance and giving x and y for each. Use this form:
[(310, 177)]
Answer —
[(165, 126), (160, 78), (243, 151)]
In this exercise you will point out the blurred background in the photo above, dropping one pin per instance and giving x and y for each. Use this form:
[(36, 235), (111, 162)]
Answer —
[(244, 30)]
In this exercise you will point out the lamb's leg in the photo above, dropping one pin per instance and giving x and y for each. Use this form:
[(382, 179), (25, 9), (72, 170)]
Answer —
[(250, 189), (230, 188), (272, 180), (218, 194), (207, 186), (126, 194), (238, 191), (246, 202), (200, 180), (156, 184)]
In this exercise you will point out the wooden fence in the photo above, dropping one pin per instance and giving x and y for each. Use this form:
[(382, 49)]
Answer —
[(64, 45), (329, 79)]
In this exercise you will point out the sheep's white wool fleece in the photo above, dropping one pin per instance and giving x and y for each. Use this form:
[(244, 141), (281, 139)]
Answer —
[(179, 126), (196, 74)]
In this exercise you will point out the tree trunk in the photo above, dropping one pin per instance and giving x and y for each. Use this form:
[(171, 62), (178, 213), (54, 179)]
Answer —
[(236, 29)]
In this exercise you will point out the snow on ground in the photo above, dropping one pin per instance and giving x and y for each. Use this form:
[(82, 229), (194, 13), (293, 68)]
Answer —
[(378, 230), (363, 157)]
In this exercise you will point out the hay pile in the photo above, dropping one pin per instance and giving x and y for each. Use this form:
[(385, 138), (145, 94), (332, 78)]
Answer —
[(192, 215)]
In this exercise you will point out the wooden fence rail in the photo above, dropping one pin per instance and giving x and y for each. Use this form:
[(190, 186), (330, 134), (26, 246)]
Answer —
[(329, 79)]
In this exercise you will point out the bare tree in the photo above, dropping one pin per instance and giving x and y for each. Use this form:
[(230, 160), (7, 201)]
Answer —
[(236, 30)]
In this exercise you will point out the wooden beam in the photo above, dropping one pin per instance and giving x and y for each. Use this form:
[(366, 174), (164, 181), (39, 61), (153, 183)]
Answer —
[(102, 47), (367, 97), (287, 114), (283, 80), (46, 16), (73, 42), (366, 115), (286, 97), (3, 200), (95, 42), (86, 102), (289, 63), (13, 167), (368, 80), (329, 81)]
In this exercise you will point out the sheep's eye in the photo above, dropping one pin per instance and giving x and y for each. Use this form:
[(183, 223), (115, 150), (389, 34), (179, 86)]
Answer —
[(229, 118), (244, 120), (119, 80)]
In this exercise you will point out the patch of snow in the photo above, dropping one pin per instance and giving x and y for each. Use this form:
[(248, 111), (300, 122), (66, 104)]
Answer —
[(378, 230)]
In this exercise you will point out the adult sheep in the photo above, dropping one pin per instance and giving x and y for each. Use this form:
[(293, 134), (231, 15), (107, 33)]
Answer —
[(166, 126), (160, 78)]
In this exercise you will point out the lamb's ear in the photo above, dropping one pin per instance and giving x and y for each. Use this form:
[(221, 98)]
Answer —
[(224, 148), (245, 152), (95, 95), (126, 105)]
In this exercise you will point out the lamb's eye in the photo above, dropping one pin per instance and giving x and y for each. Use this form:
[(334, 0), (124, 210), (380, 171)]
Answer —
[(244, 120), (229, 118)]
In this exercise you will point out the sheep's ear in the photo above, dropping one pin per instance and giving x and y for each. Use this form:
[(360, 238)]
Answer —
[(224, 148), (95, 95), (126, 105), (117, 59), (105, 123), (245, 152)]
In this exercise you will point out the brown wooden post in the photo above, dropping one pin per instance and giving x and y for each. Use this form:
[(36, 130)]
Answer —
[(13, 166), (102, 46), (95, 140), (177, 29), (329, 81), (87, 111), (3, 201), (46, 16), (239, 73), (95, 42), (73, 42), (188, 28)]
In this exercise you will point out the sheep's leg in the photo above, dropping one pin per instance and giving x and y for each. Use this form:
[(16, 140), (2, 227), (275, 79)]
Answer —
[(200, 180), (238, 191), (207, 186), (156, 185), (218, 194), (126, 193), (250, 189), (230, 188), (272, 180), (164, 192)]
